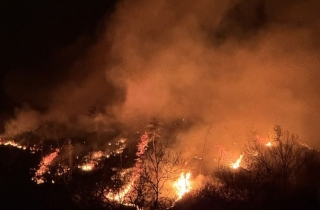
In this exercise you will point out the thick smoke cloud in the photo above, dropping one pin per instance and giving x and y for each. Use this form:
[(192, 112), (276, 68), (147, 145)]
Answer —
[(238, 66), (226, 67)]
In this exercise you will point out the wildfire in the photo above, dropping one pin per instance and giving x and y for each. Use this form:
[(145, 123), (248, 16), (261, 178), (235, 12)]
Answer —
[(182, 185), (43, 167), (87, 166), (236, 164), (91, 160), (120, 196), (12, 143)]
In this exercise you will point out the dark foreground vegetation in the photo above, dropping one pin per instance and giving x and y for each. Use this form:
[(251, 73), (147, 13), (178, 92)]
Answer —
[(285, 175)]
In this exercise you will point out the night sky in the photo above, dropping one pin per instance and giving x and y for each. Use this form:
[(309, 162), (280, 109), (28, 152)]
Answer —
[(40, 40), (234, 66)]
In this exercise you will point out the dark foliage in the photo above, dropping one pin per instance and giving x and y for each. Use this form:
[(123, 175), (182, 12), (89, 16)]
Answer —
[(17, 191)]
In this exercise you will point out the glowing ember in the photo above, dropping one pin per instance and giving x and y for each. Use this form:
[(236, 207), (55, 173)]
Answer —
[(236, 164), (62, 169), (44, 167), (87, 166), (182, 185)]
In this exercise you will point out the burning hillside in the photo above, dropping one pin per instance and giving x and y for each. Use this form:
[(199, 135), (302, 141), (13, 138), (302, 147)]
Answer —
[(79, 88), (159, 176)]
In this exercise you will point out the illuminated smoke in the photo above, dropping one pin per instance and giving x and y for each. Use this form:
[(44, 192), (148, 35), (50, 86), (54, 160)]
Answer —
[(220, 63), (238, 65)]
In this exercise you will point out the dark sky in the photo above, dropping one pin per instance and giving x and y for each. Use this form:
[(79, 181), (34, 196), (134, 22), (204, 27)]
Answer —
[(234, 66), (35, 38)]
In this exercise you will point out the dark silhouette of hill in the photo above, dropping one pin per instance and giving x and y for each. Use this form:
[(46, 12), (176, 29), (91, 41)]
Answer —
[(18, 191)]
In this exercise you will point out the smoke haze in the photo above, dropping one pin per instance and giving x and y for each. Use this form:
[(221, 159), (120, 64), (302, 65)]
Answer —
[(225, 67)]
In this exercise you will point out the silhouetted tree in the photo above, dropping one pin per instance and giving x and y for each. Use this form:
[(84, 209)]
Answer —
[(270, 173), (159, 164), (276, 165)]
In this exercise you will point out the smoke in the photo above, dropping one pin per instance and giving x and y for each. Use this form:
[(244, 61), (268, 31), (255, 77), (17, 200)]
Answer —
[(224, 67), (78, 104), (231, 67)]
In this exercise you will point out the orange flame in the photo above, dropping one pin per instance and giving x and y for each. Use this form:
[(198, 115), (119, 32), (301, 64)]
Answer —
[(269, 144), (236, 164), (91, 161), (44, 167), (120, 196), (12, 143), (182, 185), (87, 166)]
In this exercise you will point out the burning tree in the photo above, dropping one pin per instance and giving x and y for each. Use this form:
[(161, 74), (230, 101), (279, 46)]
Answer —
[(157, 166)]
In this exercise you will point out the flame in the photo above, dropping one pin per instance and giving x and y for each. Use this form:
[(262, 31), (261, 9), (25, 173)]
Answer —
[(44, 167), (236, 164), (93, 159), (269, 144), (12, 143), (182, 185), (120, 196), (87, 166)]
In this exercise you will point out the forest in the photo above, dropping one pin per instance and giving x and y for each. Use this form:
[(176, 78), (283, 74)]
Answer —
[(280, 173)]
